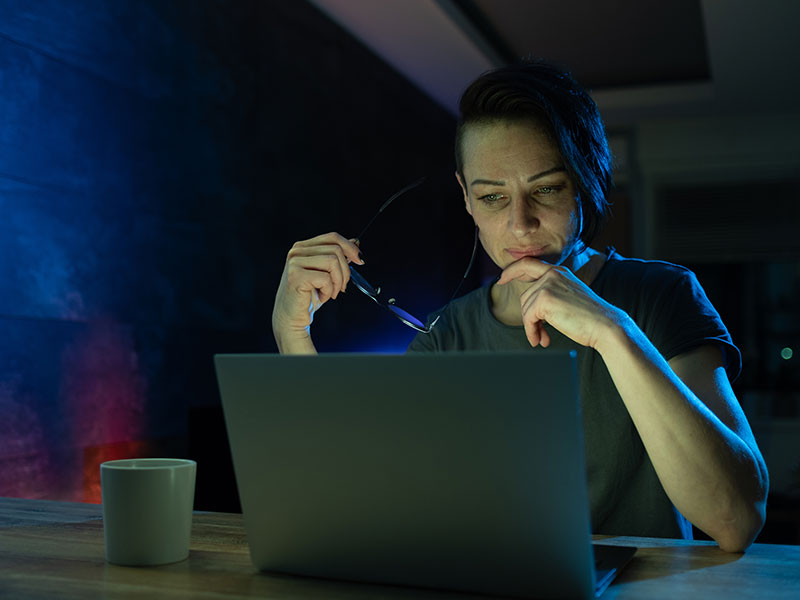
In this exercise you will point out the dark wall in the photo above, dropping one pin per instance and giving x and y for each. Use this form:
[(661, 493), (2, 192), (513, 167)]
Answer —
[(157, 160)]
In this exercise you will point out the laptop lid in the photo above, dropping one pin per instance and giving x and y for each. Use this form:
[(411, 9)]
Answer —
[(461, 471)]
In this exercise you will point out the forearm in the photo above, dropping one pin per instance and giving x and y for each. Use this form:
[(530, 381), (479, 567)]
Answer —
[(710, 473), (294, 343)]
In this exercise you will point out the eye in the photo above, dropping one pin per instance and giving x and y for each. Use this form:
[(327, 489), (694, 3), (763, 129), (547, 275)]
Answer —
[(546, 190), (490, 198)]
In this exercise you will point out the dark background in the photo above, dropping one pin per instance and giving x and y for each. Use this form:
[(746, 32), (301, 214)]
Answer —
[(157, 161)]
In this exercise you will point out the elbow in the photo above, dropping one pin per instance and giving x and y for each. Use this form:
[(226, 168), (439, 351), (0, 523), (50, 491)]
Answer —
[(738, 530), (737, 535), (734, 543)]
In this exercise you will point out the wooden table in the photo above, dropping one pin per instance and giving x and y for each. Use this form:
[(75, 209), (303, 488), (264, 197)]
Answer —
[(55, 550)]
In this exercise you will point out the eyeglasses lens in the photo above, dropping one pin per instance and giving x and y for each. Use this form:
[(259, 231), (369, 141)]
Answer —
[(406, 316)]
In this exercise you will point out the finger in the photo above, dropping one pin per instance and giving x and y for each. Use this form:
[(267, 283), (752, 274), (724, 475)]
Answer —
[(349, 247), (343, 274), (324, 293), (307, 272), (357, 243), (533, 332), (526, 299), (315, 281), (534, 323), (524, 269), (316, 284), (325, 238), (544, 337), (323, 258)]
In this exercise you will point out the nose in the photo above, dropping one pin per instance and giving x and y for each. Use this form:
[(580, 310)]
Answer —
[(522, 219)]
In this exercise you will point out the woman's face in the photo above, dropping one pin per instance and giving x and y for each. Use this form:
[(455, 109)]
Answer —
[(518, 192)]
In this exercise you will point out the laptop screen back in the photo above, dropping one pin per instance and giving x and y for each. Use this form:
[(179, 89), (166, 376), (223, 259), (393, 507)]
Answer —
[(459, 470)]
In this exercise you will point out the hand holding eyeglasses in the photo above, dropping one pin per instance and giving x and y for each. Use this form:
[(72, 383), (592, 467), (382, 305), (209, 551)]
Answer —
[(319, 269), (316, 270)]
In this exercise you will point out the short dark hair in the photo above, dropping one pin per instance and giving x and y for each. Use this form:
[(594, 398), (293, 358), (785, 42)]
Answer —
[(540, 91)]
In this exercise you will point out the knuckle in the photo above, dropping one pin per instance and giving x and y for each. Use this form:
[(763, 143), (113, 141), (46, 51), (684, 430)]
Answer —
[(294, 251), (294, 277), (335, 238), (331, 261)]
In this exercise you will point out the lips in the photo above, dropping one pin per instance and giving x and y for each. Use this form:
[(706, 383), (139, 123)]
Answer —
[(518, 253)]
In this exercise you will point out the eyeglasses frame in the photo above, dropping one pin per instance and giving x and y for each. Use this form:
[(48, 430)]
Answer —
[(373, 292)]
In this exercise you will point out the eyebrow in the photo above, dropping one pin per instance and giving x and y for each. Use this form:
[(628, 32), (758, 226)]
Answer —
[(558, 169)]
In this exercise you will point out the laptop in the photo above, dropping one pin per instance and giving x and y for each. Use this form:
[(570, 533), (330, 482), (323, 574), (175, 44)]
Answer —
[(457, 471)]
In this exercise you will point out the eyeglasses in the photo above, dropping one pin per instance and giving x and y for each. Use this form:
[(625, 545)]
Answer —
[(374, 292)]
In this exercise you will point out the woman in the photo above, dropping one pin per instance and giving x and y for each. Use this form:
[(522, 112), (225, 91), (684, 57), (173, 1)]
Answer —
[(667, 442)]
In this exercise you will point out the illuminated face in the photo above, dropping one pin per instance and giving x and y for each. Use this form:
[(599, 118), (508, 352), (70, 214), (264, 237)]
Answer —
[(519, 193)]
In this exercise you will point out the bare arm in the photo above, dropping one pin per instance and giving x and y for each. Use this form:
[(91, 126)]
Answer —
[(695, 434), (685, 411)]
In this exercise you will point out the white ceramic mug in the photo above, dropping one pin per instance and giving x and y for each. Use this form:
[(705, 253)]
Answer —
[(147, 510)]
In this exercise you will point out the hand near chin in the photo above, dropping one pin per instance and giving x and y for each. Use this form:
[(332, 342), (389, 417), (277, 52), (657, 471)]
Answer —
[(558, 297)]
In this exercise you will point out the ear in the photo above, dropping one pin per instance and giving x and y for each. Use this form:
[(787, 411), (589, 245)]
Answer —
[(467, 204)]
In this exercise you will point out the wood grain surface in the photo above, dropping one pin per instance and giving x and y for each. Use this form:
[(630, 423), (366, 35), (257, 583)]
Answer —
[(55, 550)]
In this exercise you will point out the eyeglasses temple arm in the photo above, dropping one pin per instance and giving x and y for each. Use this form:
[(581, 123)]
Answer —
[(472, 258), (394, 197), (463, 279)]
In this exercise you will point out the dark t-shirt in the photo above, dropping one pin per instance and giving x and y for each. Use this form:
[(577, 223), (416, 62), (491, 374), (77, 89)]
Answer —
[(667, 302)]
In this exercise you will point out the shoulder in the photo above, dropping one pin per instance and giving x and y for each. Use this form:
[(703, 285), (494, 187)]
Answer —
[(622, 269), (642, 286), (635, 281), (669, 304)]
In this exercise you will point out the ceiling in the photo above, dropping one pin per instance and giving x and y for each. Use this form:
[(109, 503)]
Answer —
[(641, 59)]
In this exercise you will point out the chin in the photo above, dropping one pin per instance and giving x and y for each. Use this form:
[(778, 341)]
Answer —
[(553, 258)]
